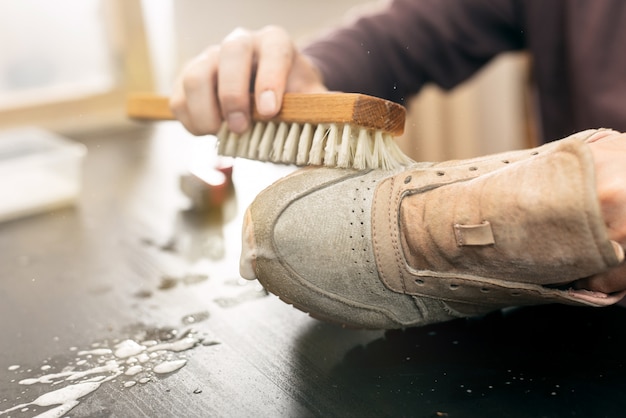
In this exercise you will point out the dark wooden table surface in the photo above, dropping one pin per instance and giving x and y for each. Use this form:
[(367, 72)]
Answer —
[(100, 300)]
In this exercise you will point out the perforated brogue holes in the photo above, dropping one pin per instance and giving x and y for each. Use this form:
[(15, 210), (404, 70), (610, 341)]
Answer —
[(407, 179), (359, 245), (369, 264)]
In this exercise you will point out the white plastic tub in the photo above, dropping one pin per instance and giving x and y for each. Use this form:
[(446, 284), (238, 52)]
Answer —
[(39, 171)]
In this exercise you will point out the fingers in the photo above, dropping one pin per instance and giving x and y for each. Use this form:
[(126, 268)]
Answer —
[(600, 134), (612, 281), (215, 86), (609, 154), (608, 148), (234, 74), (193, 100), (275, 58)]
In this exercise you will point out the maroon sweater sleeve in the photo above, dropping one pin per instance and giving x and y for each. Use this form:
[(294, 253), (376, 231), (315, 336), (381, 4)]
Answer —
[(393, 53)]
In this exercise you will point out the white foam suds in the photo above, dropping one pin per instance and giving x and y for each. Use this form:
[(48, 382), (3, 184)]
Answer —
[(128, 348), (169, 366), (96, 352), (127, 362), (133, 370), (66, 398), (143, 358), (176, 346)]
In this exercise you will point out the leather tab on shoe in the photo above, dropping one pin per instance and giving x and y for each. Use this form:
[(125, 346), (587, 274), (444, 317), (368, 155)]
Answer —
[(480, 234)]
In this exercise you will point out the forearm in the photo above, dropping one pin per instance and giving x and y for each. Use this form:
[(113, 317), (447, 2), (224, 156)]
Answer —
[(397, 50)]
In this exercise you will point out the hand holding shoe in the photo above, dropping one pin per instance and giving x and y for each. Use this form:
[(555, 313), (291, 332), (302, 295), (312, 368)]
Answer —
[(609, 152)]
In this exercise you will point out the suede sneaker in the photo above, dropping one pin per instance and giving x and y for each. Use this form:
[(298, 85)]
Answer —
[(433, 241)]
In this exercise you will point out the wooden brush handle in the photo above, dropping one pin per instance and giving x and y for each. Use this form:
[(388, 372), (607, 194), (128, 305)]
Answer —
[(148, 106), (352, 108)]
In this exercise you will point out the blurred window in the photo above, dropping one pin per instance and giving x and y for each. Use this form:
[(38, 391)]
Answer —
[(52, 50)]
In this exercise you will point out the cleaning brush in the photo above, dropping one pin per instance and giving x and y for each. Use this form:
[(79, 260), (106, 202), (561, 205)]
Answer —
[(345, 130)]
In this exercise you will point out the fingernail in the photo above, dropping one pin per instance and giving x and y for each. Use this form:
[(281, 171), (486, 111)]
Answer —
[(601, 133), (237, 122), (267, 103), (619, 251)]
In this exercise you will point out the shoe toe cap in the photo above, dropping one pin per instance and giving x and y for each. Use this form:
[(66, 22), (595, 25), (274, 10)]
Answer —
[(308, 240), (249, 252)]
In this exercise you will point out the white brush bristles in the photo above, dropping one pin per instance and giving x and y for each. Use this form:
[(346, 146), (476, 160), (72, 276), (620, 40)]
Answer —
[(345, 157), (363, 153), (316, 155), (304, 144), (255, 140), (331, 145), (267, 142), (290, 149)]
